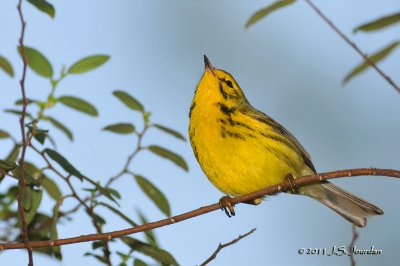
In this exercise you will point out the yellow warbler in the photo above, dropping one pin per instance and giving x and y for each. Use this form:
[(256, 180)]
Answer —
[(241, 149)]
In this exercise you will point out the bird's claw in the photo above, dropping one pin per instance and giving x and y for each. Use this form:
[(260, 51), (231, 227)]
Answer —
[(289, 179), (225, 203)]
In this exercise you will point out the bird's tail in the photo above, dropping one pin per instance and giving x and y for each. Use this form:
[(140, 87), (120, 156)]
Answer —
[(351, 207)]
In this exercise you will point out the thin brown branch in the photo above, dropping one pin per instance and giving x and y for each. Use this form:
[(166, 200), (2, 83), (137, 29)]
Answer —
[(353, 45), (222, 246), (130, 157), (25, 141), (90, 212), (352, 243), (282, 187), (82, 202)]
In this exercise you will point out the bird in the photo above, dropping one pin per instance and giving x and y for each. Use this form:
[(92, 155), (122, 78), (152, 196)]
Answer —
[(241, 149)]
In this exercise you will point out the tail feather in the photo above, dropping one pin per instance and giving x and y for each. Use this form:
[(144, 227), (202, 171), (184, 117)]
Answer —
[(351, 207)]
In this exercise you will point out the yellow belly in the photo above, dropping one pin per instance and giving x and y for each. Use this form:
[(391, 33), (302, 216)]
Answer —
[(240, 159)]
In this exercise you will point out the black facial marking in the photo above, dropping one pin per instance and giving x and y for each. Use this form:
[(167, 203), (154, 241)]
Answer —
[(224, 94), (221, 121), (191, 109), (225, 109)]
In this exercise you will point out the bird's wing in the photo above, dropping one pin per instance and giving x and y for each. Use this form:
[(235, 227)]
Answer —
[(260, 116)]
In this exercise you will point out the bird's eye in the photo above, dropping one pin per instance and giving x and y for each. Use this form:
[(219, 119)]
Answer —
[(229, 83)]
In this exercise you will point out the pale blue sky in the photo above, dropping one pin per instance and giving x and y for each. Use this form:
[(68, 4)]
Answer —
[(290, 66)]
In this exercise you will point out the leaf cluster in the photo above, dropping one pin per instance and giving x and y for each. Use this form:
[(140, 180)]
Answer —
[(50, 171)]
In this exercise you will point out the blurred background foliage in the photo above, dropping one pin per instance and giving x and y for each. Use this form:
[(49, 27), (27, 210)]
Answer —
[(294, 77)]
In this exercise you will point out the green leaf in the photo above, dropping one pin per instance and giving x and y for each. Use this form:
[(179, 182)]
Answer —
[(129, 101), (154, 194), (267, 10), (167, 154), (58, 158), (44, 6), (61, 127), (97, 244), (3, 134), (121, 128), (119, 213), (98, 257), (99, 219), (113, 192), (170, 131), (39, 134), (88, 63), (6, 66), (149, 250), (7, 165), (79, 105), (13, 156), (379, 23), (34, 202), (28, 102), (378, 56), (18, 112), (33, 174), (51, 188), (37, 62), (139, 262), (108, 192)]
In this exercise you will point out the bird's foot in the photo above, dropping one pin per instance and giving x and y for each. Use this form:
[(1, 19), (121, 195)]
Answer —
[(225, 203), (289, 179)]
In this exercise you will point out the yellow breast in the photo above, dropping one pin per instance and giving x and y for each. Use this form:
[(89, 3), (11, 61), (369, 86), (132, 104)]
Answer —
[(239, 148), (238, 154)]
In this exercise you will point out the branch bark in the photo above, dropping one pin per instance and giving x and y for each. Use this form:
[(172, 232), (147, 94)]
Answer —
[(25, 141), (281, 187), (222, 246), (352, 243)]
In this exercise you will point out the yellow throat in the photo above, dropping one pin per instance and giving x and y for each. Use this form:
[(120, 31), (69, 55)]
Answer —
[(239, 148)]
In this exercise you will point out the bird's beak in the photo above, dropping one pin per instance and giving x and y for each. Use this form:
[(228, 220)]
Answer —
[(208, 66)]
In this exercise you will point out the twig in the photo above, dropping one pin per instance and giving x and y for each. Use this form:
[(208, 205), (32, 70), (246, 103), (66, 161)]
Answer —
[(352, 44), (352, 243), (90, 212), (25, 142), (89, 209), (285, 186), (221, 246), (130, 157)]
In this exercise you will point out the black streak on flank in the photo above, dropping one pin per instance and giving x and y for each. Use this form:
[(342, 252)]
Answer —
[(237, 123), (235, 135), (225, 109), (223, 130), (191, 108)]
